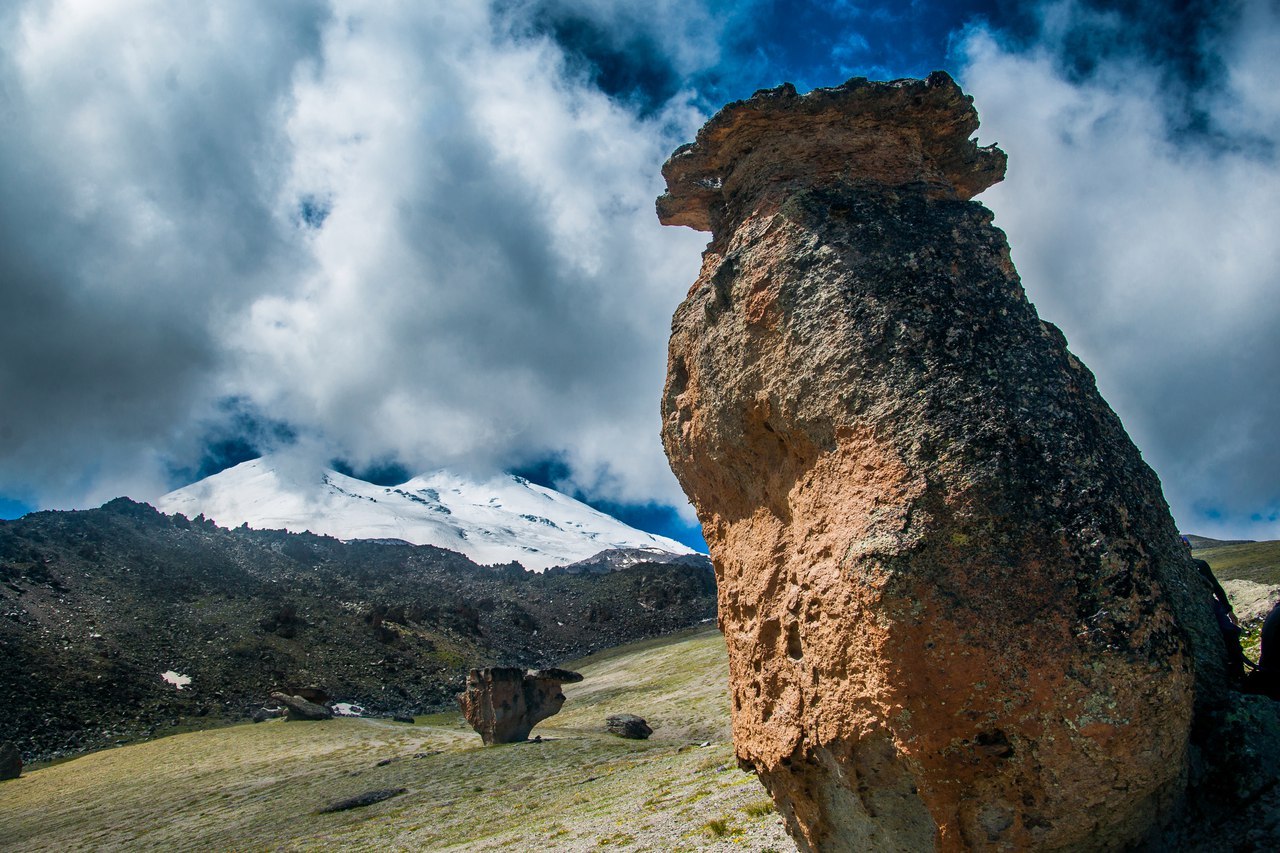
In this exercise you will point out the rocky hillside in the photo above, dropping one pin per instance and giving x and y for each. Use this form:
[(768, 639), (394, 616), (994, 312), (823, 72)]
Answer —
[(97, 607), (580, 789)]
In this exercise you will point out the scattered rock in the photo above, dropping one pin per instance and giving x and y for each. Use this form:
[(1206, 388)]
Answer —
[(628, 726), (10, 761), (359, 801), (261, 715), (297, 708), (957, 610), (504, 703)]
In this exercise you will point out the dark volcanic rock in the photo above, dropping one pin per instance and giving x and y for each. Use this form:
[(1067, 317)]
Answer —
[(628, 726), (10, 761), (504, 703), (96, 604), (261, 715), (297, 708), (958, 612)]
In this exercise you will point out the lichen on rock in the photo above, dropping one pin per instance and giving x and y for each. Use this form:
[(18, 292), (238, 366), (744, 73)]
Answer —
[(957, 609)]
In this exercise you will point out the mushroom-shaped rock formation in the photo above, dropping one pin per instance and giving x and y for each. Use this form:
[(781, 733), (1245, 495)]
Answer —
[(908, 133), (957, 610), (503, 703)]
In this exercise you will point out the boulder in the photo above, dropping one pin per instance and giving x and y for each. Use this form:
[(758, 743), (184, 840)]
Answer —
[(628, 726), (10, 761), (297, 708), (957, 610), (504, 703), (261, 715)]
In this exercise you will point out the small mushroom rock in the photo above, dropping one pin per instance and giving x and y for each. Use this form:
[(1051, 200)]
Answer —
[(504, 703), (10, 761), (957, 610), (628, 726), (297, 708)]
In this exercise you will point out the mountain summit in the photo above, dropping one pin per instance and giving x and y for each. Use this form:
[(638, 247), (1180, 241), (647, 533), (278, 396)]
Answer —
[(498, 520)]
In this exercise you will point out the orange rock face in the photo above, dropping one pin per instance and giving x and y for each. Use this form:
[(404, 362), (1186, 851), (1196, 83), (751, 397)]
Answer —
[(957, 610)]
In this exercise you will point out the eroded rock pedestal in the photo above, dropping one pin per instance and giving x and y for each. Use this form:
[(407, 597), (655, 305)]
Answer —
[(957, 610), (503, 703)]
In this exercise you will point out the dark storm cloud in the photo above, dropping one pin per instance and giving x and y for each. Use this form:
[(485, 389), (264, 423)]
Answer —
[(134, 206), (388, 234)]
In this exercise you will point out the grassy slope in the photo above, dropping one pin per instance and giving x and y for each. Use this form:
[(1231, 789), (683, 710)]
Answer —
[(258, 787), (1254, 561)]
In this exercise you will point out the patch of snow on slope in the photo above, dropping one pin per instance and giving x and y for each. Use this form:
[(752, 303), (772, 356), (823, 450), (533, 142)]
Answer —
[(499, 520), (177, 679)]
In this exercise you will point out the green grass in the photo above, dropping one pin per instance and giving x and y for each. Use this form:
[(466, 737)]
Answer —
[(1252, 561), (258, 787)]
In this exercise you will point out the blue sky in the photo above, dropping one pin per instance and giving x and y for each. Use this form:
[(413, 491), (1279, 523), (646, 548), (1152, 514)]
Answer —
[(406, 235)]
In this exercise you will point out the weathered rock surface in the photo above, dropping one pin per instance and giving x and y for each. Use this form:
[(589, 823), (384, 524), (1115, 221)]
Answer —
[(628, 726), (298, 708), (10, 761), (957, 610), (504, 703)]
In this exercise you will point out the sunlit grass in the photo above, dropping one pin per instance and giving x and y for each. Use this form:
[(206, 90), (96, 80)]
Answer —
[(259, 787)]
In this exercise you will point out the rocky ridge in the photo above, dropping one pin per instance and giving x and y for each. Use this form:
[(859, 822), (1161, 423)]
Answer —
[(120, 623), (958, 612)]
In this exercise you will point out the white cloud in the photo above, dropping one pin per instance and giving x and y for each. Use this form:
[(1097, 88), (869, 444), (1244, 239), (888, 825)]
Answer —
[(1154, 249), (490, 283)]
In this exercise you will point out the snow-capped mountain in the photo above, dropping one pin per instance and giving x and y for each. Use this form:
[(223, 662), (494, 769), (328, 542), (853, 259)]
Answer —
[(495, 521)]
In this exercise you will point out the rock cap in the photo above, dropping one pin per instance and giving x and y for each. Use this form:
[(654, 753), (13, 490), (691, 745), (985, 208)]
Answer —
[(896, 133)]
